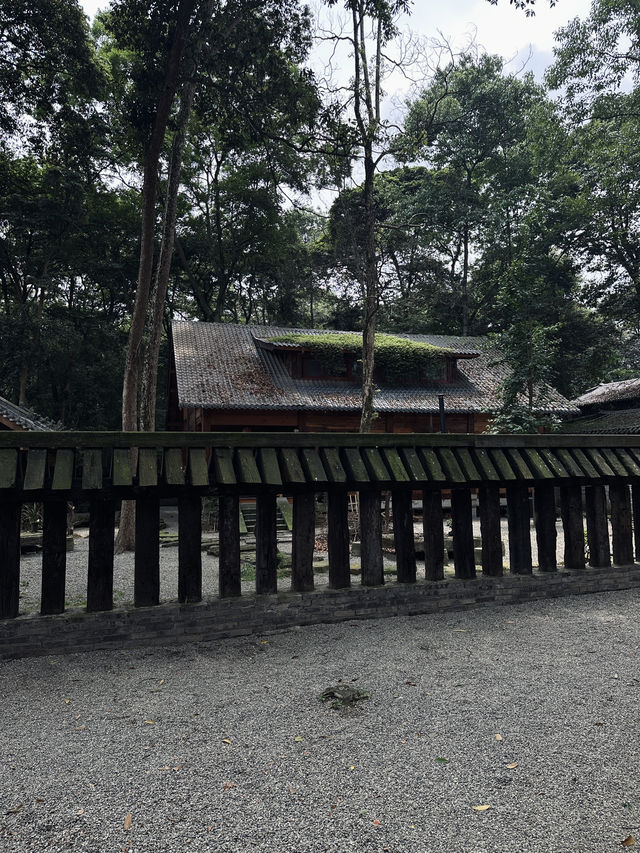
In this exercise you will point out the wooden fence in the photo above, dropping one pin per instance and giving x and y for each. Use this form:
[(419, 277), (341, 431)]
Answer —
[(597, 478)]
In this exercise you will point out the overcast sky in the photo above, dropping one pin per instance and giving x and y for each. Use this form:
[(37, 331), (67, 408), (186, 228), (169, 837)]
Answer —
[(499, 29)]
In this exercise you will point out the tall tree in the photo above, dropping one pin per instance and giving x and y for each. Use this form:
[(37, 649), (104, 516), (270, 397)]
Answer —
[(372, 25)]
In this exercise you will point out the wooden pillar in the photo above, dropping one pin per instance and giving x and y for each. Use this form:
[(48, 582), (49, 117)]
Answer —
[(229, 544), (266, 544), (372, 568), (403, 535), (462, 528), (544, 507), (9, 559), (635, 498), (100, 571), (518, 517), (490, 530), (573, 526), (621, 531), (595, 499), (189, 548), (433, 534), (54, 556), (338, 539), (147, 556), (304, 531)]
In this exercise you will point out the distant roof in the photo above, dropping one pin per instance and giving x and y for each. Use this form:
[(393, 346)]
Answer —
[(220, 366), (610, 392), (623, 422), (21, 418)]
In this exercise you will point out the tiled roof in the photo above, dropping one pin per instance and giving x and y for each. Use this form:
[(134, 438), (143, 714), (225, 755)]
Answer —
[(219, 366), (610, 392), (623, 422), (24, 419)]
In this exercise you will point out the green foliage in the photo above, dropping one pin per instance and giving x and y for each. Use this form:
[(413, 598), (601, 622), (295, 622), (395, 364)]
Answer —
[(400, 358)]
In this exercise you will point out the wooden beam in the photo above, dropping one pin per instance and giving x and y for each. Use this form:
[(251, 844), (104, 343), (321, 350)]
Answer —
[(519, 519), (266, 544), (304, 529), (372, 568), (490, 529), (544, 511), (101, 540), (189, 548), (405, 548), (597, 526), (433, 534), (338, 539), (229, 542)]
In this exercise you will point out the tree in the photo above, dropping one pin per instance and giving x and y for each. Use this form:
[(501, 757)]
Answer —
[(372, 26)]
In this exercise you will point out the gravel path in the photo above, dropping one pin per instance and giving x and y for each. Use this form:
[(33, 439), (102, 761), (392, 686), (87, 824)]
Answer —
[(225, 746)]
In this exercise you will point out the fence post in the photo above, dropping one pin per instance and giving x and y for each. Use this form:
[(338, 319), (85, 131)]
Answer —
[(402, 510), (266, 544), (147, 555), (229, 582), (595, 499), (304, 531), (189, 548), (462, 529), (372, 568), (9, 559), (621, 524), (635, 501), (490, 530), (544, 510), (519, 520), (573, 526), (54, 556), (338, 539), (433, 534), (101, 538)]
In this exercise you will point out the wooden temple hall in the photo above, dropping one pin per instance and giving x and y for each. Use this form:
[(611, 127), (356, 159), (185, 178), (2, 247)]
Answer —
[(228, 377)]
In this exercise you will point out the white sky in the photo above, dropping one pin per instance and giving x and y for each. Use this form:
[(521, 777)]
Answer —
[(499, 29)]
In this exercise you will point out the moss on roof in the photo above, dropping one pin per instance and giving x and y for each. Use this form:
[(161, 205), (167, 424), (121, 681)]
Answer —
[(398, 356)]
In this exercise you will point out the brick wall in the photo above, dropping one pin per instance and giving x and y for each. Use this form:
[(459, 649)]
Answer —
[(76, 630)]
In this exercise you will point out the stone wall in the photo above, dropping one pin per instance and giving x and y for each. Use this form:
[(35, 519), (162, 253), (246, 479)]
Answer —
[(76, 630)]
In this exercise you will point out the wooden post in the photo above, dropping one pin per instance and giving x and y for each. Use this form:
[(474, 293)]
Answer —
[(635, 498), (100, 572), (572, 523), (490, 530), (229, 544), (9, 559), (266, 544), (403, 535), (372, 567), (621, 531), (462, 528), (433, 534), (338, 539), (518, 517), (189, 548), (304, 532), (147, 555), (544, 510), (54, 556), (595, 499)]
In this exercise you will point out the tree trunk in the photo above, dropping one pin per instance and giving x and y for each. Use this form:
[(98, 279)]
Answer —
[(149, 384), (126, 533)]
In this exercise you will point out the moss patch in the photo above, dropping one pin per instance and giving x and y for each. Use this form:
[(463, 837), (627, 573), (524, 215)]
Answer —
[(399, 357)]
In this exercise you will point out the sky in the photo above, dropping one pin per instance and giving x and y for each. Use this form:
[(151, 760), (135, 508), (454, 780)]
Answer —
[(498, 29)]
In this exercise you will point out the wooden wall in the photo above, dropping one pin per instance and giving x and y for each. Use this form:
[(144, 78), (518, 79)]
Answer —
[(248, 420)]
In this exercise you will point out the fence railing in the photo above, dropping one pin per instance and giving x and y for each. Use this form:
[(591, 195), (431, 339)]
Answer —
[(592, 478)]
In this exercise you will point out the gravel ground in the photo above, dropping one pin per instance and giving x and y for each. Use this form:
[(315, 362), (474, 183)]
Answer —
[(224, 746)]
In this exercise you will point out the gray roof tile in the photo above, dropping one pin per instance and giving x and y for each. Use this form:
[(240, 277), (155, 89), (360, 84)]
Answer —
[(25, 419), (610, 392), (219, 366)]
